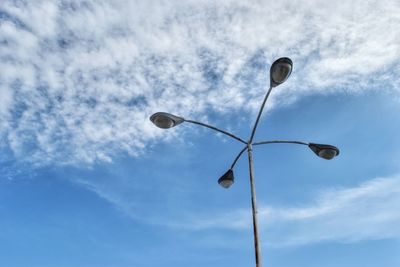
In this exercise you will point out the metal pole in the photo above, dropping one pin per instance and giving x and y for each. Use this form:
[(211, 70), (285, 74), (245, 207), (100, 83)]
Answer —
[(254, 207)]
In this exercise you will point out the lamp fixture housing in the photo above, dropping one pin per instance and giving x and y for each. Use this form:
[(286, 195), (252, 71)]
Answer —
[(165, 120)]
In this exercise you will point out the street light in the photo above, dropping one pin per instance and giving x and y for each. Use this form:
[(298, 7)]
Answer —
[(227, 179), (279, 72), (324, 151), (165, 120)]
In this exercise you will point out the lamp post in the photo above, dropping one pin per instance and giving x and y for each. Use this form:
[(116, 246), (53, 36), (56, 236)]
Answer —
[(279, 72)]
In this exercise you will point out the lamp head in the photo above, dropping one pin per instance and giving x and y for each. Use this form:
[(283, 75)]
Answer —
[(280, 71), (165, 120), (324, 151), (227, 179)]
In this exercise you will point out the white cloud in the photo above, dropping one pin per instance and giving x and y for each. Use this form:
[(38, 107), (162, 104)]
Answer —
[(369, 211), (80, 78)]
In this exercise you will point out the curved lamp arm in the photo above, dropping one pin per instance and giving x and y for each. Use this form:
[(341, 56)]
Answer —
[(280, 142), (166, 120), (259, 114), (321, 150), (216, 129), (238, 157)]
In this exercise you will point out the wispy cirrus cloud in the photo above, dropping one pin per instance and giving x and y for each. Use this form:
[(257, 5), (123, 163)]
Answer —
[(80, 78), (369, 211)]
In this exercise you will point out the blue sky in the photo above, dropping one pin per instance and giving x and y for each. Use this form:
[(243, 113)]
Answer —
[(87, 180)]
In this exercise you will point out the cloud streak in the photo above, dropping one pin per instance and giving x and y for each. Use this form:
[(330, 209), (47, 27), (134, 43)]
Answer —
[(365, 212), (80, 78)]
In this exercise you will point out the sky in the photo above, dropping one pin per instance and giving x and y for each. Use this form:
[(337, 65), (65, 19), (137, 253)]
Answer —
[(86, 180)]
